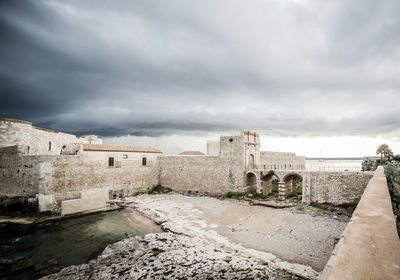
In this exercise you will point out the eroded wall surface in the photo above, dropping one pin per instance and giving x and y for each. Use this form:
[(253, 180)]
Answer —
[(335, 187), (55, 179), (203, 174), (19, 175)]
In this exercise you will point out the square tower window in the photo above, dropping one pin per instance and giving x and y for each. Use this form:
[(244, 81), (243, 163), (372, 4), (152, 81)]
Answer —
[(144, 161), (110, 161), (124, 156)]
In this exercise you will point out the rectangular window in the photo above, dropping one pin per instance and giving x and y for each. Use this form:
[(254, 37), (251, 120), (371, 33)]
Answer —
[(110, 161), (124, 156), (144, 161), (49, 145)]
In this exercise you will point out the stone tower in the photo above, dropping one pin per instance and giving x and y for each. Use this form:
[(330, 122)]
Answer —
[(251, 142)]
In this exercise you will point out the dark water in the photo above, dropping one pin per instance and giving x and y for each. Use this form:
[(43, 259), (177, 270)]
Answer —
[(68, 242)]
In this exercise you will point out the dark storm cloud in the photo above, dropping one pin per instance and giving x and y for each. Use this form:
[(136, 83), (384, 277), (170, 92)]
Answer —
[(150, 68)]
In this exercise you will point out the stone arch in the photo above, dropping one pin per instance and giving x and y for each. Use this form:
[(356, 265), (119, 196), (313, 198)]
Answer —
[(266, 183), (251, 182), (293, 183)]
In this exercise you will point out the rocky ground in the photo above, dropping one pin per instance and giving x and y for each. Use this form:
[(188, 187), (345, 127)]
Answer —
[(208, 238)]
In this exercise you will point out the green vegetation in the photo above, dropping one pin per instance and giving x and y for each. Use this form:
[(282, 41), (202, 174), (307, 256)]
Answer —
[(237, 194), (246, 194), (297, 187), (300, 207), (385, 152), (392, 172), (259, 195), (159, 189), (274, 188)]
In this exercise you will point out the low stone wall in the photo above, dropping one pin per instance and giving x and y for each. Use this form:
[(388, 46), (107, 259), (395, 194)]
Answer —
[(336, 187), (369, 248)]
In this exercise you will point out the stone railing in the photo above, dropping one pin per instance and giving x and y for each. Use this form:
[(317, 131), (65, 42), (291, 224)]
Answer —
[(369, 247)]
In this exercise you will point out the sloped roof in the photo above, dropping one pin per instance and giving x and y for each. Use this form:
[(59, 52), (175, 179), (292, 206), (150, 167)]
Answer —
[(118, 148), (191, 153)]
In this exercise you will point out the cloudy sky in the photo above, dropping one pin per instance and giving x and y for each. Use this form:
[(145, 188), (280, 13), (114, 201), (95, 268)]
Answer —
[(313, 77)]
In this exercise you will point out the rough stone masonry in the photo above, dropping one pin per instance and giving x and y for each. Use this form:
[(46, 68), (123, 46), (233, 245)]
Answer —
[(61, 173)]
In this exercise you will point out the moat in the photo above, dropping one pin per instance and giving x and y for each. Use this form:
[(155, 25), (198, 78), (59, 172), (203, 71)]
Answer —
[(34, 251)]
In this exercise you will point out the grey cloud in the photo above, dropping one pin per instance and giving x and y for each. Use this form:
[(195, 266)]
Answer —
[(151, 68)]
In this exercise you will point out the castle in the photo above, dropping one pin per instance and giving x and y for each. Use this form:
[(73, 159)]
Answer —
[(62, 173)]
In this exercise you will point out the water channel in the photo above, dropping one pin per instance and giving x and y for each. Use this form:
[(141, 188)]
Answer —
[(28, 252)]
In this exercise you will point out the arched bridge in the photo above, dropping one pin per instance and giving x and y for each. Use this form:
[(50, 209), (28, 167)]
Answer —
[(317, 186)]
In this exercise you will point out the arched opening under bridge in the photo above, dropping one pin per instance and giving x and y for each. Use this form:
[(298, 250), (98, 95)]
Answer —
[(269, 184), (251, 182), (294, 185)]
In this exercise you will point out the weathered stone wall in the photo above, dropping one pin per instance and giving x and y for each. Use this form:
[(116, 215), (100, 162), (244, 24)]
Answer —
[(203, 174), (213, 148), (335, 187), (14, 132), (39, 141), (19, 175), (54, 179), (281, 161), (71, 177), (48, 142), (207, 174)]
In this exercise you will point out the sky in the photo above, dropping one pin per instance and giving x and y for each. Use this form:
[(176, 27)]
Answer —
[(319, 78)]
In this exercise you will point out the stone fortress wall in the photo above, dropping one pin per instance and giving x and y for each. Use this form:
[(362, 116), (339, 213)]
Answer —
[(39, 141), (212, 174), (77, 174), (71, 174)]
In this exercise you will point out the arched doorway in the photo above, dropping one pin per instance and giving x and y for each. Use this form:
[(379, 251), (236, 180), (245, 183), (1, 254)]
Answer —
[(294, 185), (251, 182), (269, 183)]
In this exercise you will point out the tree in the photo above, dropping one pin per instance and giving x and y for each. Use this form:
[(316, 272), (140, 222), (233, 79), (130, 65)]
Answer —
[(385, 152)]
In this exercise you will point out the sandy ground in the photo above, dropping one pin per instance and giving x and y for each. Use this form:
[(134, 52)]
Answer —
[(291, 235)]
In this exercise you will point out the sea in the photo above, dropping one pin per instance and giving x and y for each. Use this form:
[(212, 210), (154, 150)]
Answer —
[(333, 164)]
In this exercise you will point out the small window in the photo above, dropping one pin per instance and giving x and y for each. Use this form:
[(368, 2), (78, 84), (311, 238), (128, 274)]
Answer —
[(110, 161), (230, 140), (49, 145), (124, 156), (144, 161)]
